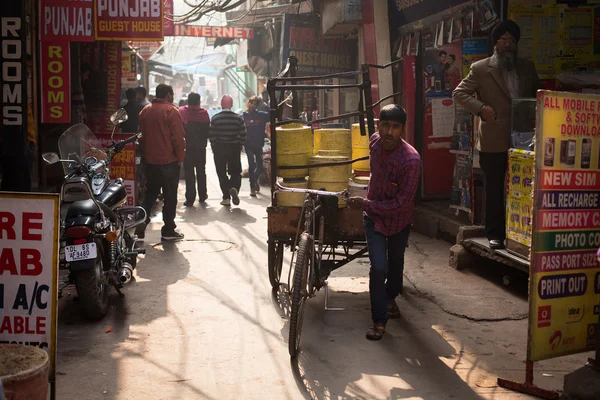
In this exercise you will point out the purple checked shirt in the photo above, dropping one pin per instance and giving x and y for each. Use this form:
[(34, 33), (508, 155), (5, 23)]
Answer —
[(394, 180)]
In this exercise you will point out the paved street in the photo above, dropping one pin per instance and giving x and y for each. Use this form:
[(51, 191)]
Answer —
[(200, 322)]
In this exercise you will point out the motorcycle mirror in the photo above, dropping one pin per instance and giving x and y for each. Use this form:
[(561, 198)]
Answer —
[(50, 158), (119, 117)]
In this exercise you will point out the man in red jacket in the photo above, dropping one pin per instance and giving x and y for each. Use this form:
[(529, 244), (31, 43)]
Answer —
[(196, 123), (163, 146)]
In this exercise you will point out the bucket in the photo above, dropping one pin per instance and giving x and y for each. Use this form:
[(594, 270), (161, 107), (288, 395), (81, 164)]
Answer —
[(358, 186), (24, 372), (285, 199), (333, 139), (360, 148), (294, 147), (333, 179)]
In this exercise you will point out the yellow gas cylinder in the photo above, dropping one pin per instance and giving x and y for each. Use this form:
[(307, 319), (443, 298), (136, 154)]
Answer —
[(360, 148), (333, 179), (294, 147), (333, 139), (287, 199)]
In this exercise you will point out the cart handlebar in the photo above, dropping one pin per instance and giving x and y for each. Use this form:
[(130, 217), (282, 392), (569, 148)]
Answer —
[(343, 194)]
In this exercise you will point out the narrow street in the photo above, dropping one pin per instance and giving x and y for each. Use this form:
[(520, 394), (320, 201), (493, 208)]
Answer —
[(199, 321)]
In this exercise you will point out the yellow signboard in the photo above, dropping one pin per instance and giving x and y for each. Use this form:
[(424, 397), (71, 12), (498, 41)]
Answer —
[(564, 272), (519, 203)]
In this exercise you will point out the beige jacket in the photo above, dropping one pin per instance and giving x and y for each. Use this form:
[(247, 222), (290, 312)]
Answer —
[(485, 79)]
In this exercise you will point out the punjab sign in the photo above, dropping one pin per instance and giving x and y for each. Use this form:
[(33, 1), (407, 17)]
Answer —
[(564, 274), (231, 32), (29, 225), (56, 82), (129, 20), (66, 20)]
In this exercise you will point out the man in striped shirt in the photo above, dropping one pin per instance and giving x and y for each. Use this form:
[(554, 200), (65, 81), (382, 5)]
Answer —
[(227, 136), (388, 213)]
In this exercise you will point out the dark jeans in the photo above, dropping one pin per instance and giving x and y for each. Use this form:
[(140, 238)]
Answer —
[(165, 177), (387, 267), (228, 161), (255, 165), (494, 167), (194, 167)]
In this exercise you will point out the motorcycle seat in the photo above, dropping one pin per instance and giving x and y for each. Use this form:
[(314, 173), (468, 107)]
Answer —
[(83, 207)]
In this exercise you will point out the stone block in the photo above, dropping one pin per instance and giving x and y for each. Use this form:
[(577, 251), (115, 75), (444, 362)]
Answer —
[(460, 258), (469, 232), (426, 223)]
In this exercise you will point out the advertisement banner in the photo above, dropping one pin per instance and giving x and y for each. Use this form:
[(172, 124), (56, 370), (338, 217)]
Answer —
[(473, 50), (102, 83), (55, 80), (14, 77), (405, 11), (302, 37), (129, 20), (29, 270), (519, 203), (231, 32), (66, 20), (168, 17), (564, 273), (123, 165)]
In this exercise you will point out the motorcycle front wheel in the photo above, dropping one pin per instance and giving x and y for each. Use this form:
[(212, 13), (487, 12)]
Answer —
[(92, 289)]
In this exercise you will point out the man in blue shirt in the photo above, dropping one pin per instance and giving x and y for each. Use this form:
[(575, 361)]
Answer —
[(256, 123)]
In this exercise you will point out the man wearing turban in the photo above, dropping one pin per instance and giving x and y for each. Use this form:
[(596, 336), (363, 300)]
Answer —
[(497, 80)]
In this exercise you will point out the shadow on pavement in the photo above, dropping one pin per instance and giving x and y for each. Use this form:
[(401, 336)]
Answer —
[(407, 360)]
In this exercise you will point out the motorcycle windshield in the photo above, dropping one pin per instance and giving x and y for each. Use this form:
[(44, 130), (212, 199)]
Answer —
[(79, 143)]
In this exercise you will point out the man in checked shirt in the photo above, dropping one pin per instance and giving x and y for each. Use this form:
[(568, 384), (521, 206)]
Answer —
[(388, 213)]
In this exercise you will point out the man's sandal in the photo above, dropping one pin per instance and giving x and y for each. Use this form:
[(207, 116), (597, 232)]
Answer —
[(393, 310), (376, 332)]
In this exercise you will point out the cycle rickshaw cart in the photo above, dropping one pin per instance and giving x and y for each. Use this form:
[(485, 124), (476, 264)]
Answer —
[(321, 236)]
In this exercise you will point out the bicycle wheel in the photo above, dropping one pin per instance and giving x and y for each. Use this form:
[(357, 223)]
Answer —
[(275, 262), (300, 292)]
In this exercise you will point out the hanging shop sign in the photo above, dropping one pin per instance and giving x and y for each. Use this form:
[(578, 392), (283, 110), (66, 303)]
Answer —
[(29, 270), (14, 75), (317, 55), (67, 20), (564, 272), (123, 166), (145, 50), (168, 19), (230, 32), (55, 65), (407, 11), (129, 20)]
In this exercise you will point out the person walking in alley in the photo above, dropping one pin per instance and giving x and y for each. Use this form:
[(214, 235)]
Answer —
[(163, 145), (196, 124), (388, 213), (141, 95), (133, 108), (256, 122), (497, 80), (227, 136)]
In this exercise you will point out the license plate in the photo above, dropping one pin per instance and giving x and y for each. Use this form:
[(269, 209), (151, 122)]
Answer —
[(79, 252)]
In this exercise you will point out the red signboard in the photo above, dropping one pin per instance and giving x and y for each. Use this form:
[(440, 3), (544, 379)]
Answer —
[(232, 32), (56, 82), (66, 20), (123, 165), (145, 50), (168, 20), (112, 57), (129, 20)]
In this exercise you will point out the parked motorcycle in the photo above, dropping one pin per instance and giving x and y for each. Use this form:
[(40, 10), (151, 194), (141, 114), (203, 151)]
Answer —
[(95, 243)]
